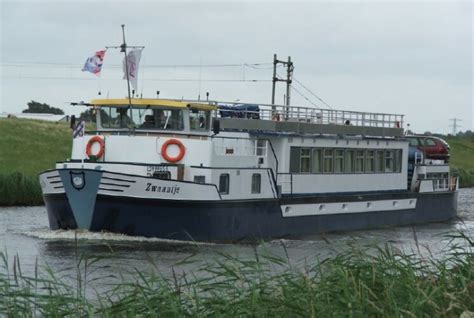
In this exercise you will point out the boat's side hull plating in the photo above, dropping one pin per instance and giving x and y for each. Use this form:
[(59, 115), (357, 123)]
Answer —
[(236, 220)]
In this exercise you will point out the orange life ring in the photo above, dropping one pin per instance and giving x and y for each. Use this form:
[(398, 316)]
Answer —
[(164, 149), (91, 142)]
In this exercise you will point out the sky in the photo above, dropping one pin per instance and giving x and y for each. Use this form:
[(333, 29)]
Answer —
[(401, 57)]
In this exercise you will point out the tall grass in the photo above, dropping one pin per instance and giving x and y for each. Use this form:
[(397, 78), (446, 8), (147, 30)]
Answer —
[(466, 177), (357, 283), (19, 189)]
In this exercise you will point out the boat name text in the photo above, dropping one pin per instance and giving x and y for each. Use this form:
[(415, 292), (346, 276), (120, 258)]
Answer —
[(162, 189)]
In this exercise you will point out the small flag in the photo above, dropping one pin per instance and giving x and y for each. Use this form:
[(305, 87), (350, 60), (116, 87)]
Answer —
[(133, 59), (94, 63), (78, 131)]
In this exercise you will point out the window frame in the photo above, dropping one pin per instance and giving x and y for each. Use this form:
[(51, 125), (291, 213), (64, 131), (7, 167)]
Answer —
[(226, 184), (349, 162), (360, 157), (379, 161), (370, 158), (305, 157), (328, 158), (339, 157), (256, 188)]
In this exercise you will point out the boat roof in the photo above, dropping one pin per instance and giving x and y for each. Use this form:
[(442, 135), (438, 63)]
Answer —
[(149, 102)]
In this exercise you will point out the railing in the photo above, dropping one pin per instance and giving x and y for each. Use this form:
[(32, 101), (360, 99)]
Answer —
[(309, 115), (440, 185)]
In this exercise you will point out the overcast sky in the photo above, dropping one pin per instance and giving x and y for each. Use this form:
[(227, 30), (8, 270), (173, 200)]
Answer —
[(404, 57)]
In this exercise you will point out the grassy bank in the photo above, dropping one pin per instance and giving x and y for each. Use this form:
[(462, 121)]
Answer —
[(27, 148), (358, 283), (462, 160)]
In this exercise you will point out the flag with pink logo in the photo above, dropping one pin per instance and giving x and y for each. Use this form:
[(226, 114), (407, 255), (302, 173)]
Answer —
[(94, 63), (133, 60)]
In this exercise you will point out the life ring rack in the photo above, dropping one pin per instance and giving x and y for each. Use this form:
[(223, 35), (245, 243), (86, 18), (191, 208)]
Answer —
[(164, 149), (91, 142)]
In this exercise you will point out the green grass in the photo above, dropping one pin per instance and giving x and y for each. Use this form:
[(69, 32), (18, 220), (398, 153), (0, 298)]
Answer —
[(27, 148), (32, 146), (462, 160), (462, 153), (357, 283)]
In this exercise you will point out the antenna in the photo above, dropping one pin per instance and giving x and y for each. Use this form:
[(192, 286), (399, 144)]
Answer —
[(455, 125)]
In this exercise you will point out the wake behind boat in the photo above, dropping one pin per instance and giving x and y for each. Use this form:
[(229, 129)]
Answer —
[(220, 171)]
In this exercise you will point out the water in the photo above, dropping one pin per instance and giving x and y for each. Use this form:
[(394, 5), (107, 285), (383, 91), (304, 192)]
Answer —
[(24, 232)]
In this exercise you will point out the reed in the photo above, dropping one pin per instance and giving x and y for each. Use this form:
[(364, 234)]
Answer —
[(466, 176), (19, 189), (356, 283)]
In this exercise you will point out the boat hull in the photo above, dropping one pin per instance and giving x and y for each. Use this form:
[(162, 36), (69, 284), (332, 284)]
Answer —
[(243, 219)]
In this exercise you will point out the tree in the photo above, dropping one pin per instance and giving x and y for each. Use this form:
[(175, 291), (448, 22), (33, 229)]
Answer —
[(35, 107), (89, 116)]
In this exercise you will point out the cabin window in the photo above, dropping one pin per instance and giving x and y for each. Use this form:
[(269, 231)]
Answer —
[(142, 118), (200, 179), (398, 160), (261, 147), (339, 160), (328, 160), (317, 160), (389, 158), (369, 161), (295, 159), (256, 183), (305, 160), (115, 117), (199, 119), (160, 119), (359, 162), (349, 160), (379, 161), (224, 183)]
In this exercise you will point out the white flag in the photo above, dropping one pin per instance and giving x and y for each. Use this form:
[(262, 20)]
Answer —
[(133, 59)]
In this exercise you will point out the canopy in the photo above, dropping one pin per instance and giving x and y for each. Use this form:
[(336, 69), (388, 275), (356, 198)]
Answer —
[(149, 102)]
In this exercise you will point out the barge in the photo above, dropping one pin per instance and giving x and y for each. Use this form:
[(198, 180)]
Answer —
[(220, 171)]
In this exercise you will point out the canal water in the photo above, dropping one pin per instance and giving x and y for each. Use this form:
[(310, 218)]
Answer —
[(24, 233)]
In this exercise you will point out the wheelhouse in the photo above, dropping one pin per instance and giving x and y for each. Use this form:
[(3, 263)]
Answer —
[(148, 115)]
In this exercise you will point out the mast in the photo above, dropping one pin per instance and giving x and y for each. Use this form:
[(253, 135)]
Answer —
[(123, 48)]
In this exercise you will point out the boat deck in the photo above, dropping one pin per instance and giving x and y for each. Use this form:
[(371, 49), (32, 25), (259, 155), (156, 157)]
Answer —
[(306, 120)]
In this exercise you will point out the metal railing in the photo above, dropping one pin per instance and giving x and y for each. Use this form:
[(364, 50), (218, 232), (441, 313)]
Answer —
[(308, 115)]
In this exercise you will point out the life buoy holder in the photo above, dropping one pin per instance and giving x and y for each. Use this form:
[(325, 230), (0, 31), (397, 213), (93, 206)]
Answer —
[(164, 149), (91, 142)]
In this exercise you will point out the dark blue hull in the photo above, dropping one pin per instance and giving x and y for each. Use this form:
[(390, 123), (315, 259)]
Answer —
[(245, 219)]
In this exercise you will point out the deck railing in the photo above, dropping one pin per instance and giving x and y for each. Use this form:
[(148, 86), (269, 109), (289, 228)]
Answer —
[(308, 115)]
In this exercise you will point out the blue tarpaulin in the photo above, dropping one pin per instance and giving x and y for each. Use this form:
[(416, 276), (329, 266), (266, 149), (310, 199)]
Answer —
[(239, 111)]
